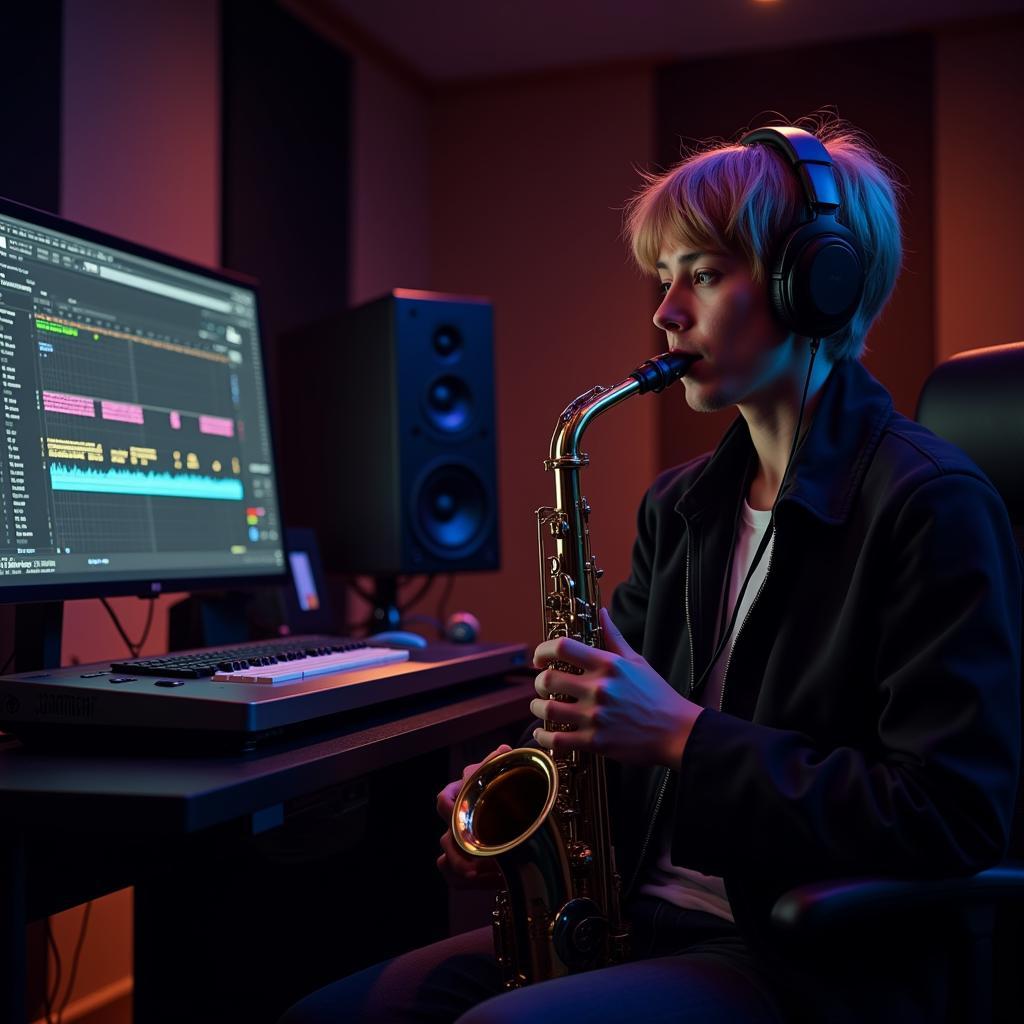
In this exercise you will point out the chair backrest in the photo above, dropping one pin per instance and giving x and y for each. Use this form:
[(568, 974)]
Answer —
[(975, 400)]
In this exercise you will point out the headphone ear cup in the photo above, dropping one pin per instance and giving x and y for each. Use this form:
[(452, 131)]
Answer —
[(777, 295), (818, 281)]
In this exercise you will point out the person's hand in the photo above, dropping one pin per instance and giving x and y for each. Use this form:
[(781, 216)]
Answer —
[(459, 869), (621, 708)]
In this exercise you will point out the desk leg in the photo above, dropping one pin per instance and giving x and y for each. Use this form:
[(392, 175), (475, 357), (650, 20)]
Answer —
[(13, 911)]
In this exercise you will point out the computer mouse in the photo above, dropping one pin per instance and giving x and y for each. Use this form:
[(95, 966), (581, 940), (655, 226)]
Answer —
[(400, 637)]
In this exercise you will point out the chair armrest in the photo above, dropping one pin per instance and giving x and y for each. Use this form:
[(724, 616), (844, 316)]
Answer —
[(842, 901)]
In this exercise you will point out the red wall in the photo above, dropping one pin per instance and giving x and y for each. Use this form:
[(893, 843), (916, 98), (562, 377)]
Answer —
[(527, 182), (979, 206)]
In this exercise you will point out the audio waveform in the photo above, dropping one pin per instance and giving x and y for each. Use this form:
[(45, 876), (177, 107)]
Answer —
[(130, 481)]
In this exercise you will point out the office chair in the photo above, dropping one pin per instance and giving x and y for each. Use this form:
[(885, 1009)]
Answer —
[(976, 401)]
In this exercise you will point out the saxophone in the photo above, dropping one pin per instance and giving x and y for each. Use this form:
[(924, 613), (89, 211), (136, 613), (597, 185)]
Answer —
[(545, 821)]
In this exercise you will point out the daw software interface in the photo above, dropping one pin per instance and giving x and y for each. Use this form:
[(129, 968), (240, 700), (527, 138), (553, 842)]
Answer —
[(136, 444)]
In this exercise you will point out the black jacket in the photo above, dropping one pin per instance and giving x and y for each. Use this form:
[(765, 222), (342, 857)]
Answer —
[(870, 718)]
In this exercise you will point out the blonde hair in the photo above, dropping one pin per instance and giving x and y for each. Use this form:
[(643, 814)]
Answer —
[(743, 200)]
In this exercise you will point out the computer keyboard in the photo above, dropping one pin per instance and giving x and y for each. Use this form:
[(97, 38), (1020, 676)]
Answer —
[(268, 659)]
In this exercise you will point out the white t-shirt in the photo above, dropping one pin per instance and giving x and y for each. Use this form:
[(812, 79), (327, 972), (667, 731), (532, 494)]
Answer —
[(668, 881)]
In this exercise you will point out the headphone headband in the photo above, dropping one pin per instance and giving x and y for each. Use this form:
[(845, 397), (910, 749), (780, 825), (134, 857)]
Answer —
[(810, 161)]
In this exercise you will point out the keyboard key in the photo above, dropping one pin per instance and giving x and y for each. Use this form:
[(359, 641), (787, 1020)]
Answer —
[(236, 659), (307, 668)]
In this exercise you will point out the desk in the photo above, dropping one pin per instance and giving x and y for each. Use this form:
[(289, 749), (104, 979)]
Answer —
[(78, 826)]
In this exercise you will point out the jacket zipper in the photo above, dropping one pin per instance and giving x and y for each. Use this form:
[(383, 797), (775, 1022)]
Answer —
[(667, 772), (732, 646)]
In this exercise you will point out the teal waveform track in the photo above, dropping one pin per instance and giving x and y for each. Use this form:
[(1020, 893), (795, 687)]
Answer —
[(131, 481)]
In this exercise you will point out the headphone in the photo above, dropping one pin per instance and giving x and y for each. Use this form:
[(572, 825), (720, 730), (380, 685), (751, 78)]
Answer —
[(817, 278)]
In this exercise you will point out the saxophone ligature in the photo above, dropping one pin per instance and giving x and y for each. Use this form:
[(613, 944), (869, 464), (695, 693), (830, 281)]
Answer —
[(545, 820)]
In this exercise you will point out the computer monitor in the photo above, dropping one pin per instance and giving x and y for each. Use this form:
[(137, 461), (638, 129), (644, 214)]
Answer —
[(136, 454)]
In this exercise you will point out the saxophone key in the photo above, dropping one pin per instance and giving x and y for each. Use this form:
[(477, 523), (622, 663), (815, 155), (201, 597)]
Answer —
[(581, 857)]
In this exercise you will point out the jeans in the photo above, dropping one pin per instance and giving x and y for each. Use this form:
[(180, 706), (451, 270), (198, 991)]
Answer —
[(686, 965)]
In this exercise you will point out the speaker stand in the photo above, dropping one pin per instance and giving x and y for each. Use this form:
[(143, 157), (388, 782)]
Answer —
[(38, 627), (385, 614)]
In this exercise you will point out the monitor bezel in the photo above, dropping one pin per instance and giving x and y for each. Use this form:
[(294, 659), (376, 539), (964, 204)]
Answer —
[(24, 593)]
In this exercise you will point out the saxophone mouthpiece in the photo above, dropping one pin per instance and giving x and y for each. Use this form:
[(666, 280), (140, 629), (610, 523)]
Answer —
[(659, 371)]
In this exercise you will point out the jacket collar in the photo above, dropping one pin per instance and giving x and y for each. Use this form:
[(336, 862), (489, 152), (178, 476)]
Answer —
[(828, 466)]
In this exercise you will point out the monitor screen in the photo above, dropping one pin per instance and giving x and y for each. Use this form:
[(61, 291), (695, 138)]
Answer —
[(137, 453)]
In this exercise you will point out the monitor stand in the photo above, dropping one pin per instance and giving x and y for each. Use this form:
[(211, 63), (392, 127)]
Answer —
[(208, 620), (227, 617), (37, 635)]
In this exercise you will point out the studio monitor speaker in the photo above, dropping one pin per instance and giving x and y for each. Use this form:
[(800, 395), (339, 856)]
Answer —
[(389, 446)]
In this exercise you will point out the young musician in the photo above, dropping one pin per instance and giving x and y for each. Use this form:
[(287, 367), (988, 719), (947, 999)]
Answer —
[(813, 668)]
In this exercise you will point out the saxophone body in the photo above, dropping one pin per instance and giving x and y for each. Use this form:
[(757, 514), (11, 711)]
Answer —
[(545, 820)]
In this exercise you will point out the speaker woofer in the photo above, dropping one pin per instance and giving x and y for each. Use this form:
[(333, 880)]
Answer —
[(451, 510)]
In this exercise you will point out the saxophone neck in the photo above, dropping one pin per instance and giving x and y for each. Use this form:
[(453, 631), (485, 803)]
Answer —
[(577, 416), (652, 376)]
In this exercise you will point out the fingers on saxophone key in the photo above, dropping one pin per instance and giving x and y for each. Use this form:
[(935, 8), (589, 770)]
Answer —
[(565, 649), (561, 739), (552, 683), (559, 714), (547, 684)]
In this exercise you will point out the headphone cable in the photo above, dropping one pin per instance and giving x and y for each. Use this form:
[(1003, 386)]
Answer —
[(726, 631)]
